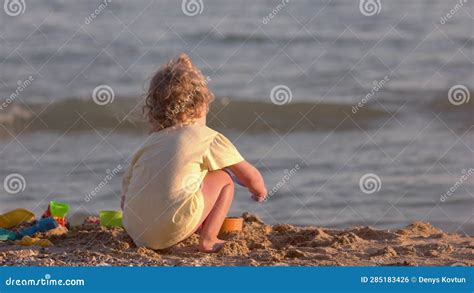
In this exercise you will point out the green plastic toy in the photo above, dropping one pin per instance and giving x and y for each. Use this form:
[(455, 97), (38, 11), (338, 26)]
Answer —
[(111, 218), (58, 209)]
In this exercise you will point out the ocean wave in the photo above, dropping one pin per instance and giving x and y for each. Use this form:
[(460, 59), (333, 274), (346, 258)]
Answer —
[(455, 108), (459, 100), (124, 114)]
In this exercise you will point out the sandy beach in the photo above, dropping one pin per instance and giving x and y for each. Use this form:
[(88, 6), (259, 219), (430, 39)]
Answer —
[(418, 244)]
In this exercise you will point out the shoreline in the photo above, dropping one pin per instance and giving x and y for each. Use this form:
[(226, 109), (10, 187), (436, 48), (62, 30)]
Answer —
[(418, 244)]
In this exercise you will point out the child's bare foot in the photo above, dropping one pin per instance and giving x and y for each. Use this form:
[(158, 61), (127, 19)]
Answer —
[(210, 245)]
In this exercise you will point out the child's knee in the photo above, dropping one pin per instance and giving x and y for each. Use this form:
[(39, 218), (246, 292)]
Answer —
[(227, 178), (227, 183)]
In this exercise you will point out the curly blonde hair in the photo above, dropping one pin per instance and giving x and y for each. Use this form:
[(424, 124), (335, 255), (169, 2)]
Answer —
[(178, 93)]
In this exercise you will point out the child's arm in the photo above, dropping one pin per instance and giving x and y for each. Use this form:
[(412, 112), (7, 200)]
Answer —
[(250, 177)]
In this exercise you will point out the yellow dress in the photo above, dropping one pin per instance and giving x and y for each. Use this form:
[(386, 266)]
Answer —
[(163, 201)]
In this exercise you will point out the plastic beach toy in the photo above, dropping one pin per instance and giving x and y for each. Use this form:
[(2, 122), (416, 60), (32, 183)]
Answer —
[(41, 225), (232, 224), (7, 235), (111, 218), (58, 209), (15, 217), (28, 241)]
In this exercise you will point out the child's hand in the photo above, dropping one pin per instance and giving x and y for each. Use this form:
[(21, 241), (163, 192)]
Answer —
[(251, 178), (260, 196)]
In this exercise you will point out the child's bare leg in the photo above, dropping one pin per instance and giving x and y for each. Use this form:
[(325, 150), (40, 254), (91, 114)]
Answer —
[(218, 190)]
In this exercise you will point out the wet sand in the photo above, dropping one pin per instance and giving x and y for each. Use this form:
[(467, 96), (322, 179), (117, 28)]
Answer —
[(419, 244)]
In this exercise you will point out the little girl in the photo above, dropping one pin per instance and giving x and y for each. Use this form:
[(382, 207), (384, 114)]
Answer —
[(175, 184)]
